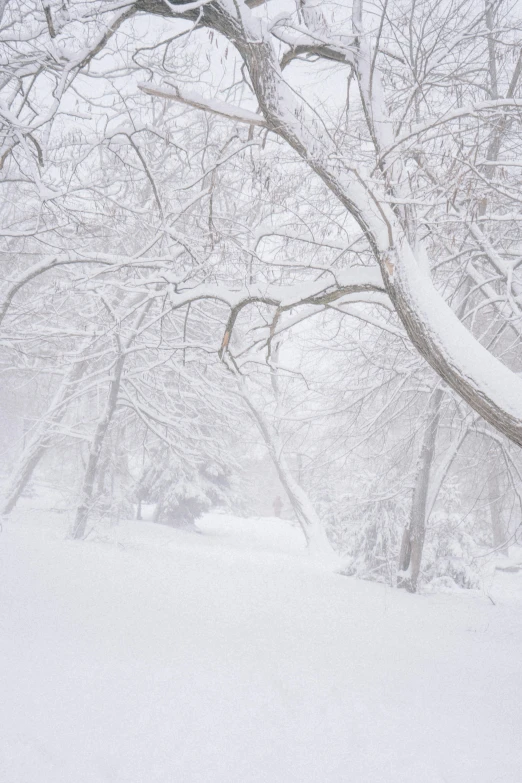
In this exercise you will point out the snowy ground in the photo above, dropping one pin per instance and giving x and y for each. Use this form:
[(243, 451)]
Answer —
[(154, 656)]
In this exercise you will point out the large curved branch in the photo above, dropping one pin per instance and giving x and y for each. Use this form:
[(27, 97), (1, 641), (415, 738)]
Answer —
[(476, 375)]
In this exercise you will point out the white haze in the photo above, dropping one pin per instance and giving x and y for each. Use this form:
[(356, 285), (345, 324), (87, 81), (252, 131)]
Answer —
[(260, 391)]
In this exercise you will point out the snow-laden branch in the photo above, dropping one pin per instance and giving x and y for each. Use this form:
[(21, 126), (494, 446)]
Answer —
[(196, 101), (482, 380), (351, 281), (305, 41), (184, 7)]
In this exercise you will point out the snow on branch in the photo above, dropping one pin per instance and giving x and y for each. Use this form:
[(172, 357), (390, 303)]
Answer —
[(358, 280), (182, 7), (303, 41), (174, 93)]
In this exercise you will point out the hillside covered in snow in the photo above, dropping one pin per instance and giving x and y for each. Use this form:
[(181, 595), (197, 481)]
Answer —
[(149, 655)]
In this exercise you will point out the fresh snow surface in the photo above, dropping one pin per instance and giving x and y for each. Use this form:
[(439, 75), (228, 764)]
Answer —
[(148, 655)]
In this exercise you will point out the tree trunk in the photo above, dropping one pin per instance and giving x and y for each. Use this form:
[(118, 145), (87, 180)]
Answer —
[(412, 545), (42, 438), (311, 525), (84, 507), (498, 529)]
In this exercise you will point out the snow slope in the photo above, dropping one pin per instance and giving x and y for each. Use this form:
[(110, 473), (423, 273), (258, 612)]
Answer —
[(155, 656)]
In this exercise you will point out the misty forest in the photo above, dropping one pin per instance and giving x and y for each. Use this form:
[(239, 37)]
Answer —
[(260, 391)]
